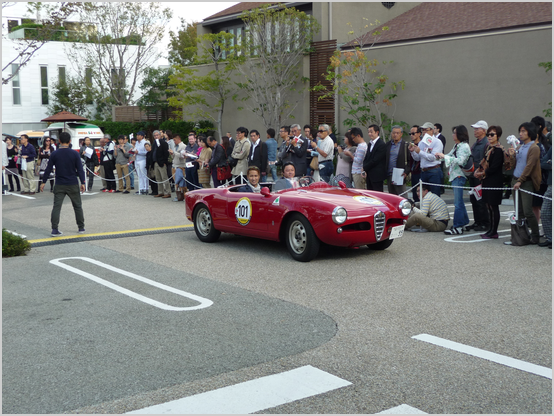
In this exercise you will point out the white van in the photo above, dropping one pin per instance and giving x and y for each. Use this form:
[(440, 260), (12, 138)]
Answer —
[(78, 132)]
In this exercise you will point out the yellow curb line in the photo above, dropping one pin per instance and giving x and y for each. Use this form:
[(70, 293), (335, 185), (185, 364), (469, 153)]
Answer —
[(71, 237)]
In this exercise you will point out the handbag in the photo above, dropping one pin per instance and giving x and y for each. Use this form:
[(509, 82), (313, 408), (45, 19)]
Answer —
[(314, 164), (223, 173), (469, 167), (520, 233), (232, 161)]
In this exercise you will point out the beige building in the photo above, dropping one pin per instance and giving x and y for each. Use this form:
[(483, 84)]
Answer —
[(461, 62)]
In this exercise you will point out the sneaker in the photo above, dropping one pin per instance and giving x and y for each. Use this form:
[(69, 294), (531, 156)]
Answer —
[(112, 191), (545, 243), (104, 190), (56, 233), (126, 192), (471, 227), (454, 230), (118, 191), (81, 231), (132, 187)]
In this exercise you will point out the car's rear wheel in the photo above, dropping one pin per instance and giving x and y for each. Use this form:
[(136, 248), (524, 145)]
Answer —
[(302, 242), (204, 225), (381, 245)]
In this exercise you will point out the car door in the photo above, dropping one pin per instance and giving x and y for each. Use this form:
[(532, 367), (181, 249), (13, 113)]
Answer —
[(246, 212)]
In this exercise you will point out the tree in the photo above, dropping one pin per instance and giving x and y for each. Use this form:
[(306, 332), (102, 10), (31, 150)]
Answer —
[(26, 48), (72, 95), (363, 87), (269, 58), (157, 91), (182, 45), (548, 67), (123, 45), (204, 96)]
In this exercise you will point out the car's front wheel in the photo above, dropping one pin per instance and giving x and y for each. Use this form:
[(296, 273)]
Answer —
[(302, 242), (204, 225), (381, 245)]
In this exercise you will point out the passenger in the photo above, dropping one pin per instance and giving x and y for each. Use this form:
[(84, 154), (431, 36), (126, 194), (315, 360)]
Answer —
[(288, 180), (253, 185), (433, 214)]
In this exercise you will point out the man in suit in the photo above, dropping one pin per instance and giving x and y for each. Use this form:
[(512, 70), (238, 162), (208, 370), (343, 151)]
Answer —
[(160, 157), (299, 150), (375, 160), (258, 154), (399, 157)]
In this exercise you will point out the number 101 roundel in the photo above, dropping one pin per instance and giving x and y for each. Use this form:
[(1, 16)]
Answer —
[(301, 217)]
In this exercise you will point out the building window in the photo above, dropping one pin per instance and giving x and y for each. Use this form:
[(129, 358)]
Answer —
[(13, 23), (16, 85), (61, 75), (44, 84)]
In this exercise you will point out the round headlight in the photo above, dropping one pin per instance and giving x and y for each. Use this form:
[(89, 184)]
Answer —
[(405, 207), (339, 215)]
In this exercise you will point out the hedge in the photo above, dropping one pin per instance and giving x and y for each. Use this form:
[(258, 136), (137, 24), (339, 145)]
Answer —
[(115, 128), (13, 245)]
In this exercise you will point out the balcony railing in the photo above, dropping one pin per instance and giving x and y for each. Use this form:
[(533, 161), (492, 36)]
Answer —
[(67, 36)]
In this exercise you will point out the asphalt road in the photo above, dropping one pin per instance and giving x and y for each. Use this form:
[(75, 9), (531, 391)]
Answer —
[(71, 344)]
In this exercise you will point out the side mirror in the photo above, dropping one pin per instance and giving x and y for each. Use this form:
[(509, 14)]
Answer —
[(342, 185), (265, 191)]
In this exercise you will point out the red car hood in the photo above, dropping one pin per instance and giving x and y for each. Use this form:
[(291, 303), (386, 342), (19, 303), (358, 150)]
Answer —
[(351, 199)]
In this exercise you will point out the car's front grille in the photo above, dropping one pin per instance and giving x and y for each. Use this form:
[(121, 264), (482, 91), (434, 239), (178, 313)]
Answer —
[(379, 221)]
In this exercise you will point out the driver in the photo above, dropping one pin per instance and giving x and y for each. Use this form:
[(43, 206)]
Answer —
[(287, 181), (253, 184)]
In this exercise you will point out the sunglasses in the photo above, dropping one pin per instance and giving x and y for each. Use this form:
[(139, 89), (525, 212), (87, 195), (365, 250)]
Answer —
[(413, 134), (491, 134), (321, 131)]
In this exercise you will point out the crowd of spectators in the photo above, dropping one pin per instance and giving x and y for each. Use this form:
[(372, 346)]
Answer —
[(164, 164)]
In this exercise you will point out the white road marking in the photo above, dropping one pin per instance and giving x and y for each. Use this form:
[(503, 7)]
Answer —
[(20, 196), (403, 409), (477, 240), (254, 395), (487, 355), (14, 233), (204, 303)]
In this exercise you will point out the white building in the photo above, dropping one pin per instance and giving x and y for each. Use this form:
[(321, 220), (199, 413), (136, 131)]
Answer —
[(26, 96)]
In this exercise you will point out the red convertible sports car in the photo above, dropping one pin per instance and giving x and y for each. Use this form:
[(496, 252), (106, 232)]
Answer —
[(302, 217)]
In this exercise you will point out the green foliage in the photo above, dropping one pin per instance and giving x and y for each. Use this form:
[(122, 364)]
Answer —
[(548, 67), (27, 26), (13, 245), (182, 45), (156, 88), (73, 95), (365, 91), (115, 128), (204, 96), (269, 59)]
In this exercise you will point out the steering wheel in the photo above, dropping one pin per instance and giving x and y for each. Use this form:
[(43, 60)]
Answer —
[(305, 181)]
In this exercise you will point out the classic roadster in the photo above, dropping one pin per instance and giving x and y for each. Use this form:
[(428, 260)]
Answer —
[(302, 217)]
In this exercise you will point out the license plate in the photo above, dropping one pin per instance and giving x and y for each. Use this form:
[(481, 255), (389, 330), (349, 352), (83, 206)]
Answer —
[(397, 232)]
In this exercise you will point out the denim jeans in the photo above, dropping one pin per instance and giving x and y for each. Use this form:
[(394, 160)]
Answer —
[(327, 171), (433, 176), (179, 179), (273, 170), (460, 212)]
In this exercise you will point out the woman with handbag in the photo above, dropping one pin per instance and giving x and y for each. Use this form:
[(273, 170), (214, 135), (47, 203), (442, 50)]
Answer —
[(454, 161), (44, 155), (203, 159), (221, 172), (490, 173)]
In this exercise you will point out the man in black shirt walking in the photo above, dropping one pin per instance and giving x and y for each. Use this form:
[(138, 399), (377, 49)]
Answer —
[(69, 170)]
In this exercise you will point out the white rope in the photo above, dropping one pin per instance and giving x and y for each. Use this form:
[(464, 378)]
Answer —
[(483, 189)]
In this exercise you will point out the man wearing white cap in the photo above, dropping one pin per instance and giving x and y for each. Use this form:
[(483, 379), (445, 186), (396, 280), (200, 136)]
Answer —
[(425, 153), (480, 213)]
